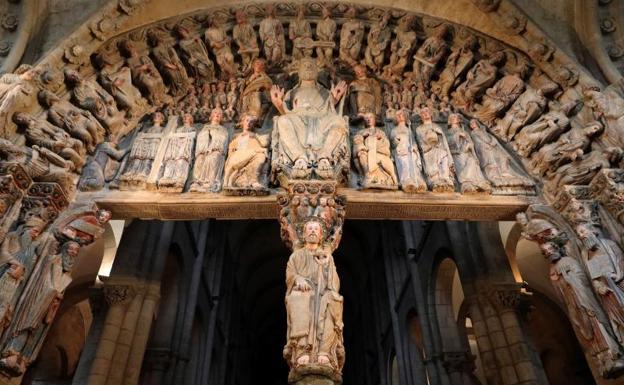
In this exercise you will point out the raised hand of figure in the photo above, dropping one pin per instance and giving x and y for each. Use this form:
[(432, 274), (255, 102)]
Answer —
[(339, 90), (277, 96)]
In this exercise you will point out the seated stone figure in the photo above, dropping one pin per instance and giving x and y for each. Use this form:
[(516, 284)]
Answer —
[(310, 135), (246, 167), (372, 157)]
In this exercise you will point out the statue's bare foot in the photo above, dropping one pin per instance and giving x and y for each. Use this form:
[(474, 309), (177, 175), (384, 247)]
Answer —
[(325, 170), (303, 360), (323, 359), (300, 169)]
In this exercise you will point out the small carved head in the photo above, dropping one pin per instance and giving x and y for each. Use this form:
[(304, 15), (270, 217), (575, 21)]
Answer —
[(259, 66), (187, 119), (385, 18), (497, 58), (402, 116), (351, 13), (47, 98), (308, 69), (241, 16), (474, 125), (360, 71), (103, 216), (22, 119), (247, 122), (270, 10), (425, 114), (158, 118), (72, 76), (182, 31), (216, 115), (454, 120)]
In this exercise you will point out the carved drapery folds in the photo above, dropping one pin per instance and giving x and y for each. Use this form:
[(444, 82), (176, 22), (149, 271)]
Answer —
[(311, 217), (38, 257), (586, 272)]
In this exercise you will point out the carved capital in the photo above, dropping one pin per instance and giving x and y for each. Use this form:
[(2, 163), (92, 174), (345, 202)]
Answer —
[(119, 293), (311, 200)]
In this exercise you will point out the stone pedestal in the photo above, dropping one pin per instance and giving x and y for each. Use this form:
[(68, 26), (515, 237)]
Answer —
[(314, 374)]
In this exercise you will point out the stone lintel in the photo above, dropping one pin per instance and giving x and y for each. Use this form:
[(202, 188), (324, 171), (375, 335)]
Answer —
[(395, 205)]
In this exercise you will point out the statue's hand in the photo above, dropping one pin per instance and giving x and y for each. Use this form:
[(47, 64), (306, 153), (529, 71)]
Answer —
[(277, 96), (302, 285), (17, 269), (339, 90)]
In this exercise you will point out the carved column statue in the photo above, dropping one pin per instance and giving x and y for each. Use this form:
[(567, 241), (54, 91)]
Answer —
[(311, 217), (591, 321), (39, 269)]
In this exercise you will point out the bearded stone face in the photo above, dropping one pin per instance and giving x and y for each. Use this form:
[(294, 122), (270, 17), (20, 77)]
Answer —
[(313, 232)]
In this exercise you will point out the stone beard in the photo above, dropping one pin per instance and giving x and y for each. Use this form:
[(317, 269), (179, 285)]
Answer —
[(313, 305)]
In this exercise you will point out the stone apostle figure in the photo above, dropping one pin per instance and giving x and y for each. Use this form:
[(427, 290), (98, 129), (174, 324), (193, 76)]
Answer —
[(429, 54), (272, 36), (91, 97), (246, 39), (351, 36), (169, 63), (605, 264), (377, 42), (220, 44), (406, 155), (524, 111), (325, 32), (401, 47), (371, 154), (18, 92), (255, 98), (313, 304), (439, 165), (364, 93), (496, 162), (467, 166), (177, 158), (210, 150), (246, 167), (143, 153), (195, 55), (311, 134), (300, 33)]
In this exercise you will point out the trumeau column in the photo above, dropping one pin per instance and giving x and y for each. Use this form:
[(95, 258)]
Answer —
[(311, 218)]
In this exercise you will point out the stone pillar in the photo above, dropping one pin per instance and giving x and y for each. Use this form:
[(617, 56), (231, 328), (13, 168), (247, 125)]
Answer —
[(123, 341), (499, 344), (506, 299), (488, 360), (143, 327), (311, 218), (118, 295)]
